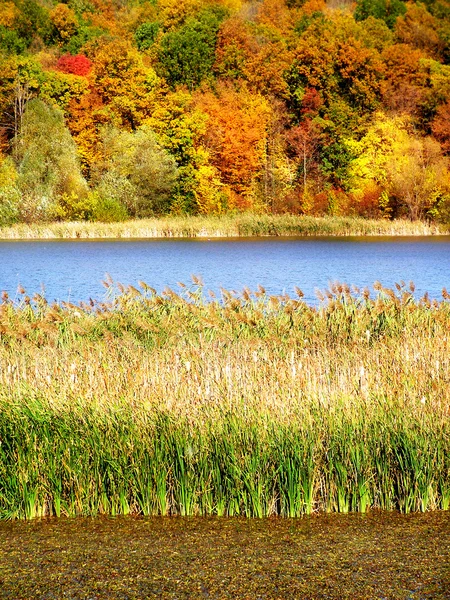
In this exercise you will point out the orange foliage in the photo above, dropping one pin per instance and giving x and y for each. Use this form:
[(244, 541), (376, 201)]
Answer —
[(440, 126), (312, 6), (122, 81), (403, 88), (419, 29), (86, 114), (361, 71), (241, 54), (265, 69), (275, 14), (235, 44), (236, 137), (105, 15)]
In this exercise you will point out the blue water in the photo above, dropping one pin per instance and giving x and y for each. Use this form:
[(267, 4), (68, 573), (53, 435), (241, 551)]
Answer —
[(73, 270)]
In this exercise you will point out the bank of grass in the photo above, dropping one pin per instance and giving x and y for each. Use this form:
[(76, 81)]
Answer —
[(253, 405), (225, 226)]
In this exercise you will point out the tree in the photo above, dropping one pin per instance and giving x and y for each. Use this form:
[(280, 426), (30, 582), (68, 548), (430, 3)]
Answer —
[(406, 79), (336, 66), (419, 176), (74, 65), (303, 141), (47, 162), (64, 21), (20, 80), (145, 35), (236, 138), (121, 80), (387, 10), (138, 158), (187, 56), (181, 126), (32, 20), (440, 126), (58, 89), (418, 28), (409, 169)]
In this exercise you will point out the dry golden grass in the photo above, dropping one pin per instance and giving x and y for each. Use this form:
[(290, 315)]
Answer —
[(226, 226)]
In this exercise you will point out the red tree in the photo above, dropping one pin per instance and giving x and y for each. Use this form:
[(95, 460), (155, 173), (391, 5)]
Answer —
[(74, 65)]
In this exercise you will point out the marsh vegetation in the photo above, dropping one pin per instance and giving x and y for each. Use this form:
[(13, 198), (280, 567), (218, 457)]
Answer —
[(256, 405), (224, 226)]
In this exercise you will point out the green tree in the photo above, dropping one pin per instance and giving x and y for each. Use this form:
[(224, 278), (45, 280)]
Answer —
[(187, 56), (32, 20), (135, 163), (47, 161), (387, 10), (145, 35)]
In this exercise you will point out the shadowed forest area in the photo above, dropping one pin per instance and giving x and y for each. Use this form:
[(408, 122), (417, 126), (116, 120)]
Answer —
[(120, 109)]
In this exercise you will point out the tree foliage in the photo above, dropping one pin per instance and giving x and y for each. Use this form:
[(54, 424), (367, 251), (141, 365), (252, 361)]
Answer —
[(223, 105), (46, 159)]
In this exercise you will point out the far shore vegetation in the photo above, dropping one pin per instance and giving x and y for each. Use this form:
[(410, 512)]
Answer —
[(241, 225), (248, 404), (132, 109)]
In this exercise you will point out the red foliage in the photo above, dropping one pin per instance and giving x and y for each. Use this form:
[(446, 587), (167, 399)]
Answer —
[(75, 65), (311, 102)]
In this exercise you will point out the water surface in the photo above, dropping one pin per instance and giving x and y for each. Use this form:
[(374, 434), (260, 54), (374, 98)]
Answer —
[(73, 270)]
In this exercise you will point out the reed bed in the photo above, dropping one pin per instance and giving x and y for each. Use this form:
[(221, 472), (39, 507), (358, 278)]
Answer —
[(247, 404), (224, 226)]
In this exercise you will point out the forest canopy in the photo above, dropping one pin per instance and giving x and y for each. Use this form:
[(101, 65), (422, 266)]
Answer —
[(116, 109)]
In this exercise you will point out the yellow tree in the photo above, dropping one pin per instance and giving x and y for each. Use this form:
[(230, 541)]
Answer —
[(125, 85), (65, 22), (409, 171), (181, 127)]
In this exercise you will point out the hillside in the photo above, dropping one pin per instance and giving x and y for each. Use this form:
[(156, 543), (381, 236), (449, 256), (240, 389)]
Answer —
[(122, 109)]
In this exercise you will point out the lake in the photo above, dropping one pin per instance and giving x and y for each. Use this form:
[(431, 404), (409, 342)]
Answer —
[(73, 270)]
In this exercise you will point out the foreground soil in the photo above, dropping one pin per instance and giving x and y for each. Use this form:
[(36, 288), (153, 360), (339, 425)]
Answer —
[(379, 555)]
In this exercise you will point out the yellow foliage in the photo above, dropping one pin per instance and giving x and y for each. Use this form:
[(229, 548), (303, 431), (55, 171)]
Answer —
[(65, 21), (8, 172), (58, 89), (233, 6), (407, 167), (125, 85), (208, 192), (175, 12), (8, 13), (275, 14)]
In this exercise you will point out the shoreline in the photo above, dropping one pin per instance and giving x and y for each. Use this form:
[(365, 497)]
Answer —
[(245, 225)]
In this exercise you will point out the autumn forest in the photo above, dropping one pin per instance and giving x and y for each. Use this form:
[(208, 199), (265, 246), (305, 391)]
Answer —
[(118, 109)]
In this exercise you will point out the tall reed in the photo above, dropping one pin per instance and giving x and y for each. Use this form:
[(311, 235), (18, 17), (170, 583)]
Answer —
[(225, 226), (249, 404)]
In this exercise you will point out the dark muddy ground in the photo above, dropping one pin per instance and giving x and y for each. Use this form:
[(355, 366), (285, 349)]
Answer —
[(377, 556)]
